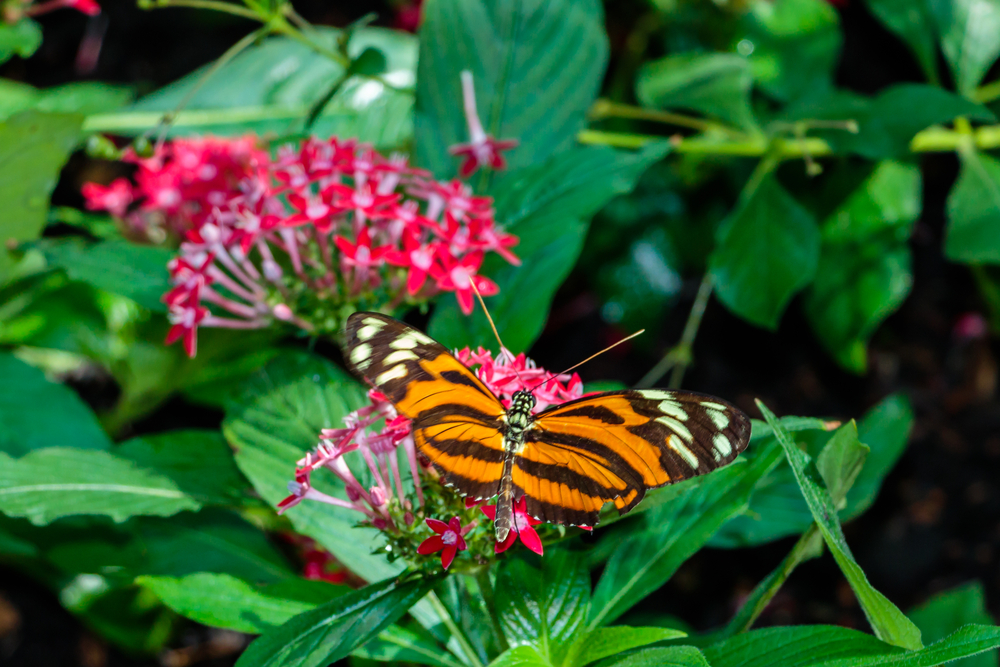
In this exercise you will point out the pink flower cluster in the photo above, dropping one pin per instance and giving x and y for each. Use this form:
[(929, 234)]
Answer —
[(385, 504), (329, 223), (15, 9)]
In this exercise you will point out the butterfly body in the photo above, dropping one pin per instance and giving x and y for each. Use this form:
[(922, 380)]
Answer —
[(566, 461)]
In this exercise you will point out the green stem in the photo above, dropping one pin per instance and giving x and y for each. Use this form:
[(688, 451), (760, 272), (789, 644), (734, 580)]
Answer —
[(213, 5), (470, 653), (486, 590), (603, 108), (679, 357), (987, 93), (810, 545)]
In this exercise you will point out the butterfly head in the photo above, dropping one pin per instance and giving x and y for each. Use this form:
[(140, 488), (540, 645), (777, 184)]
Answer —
[(521, 405)]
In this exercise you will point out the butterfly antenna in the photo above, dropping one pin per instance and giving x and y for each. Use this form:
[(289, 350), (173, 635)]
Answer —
[(503, 348), (596, 354)]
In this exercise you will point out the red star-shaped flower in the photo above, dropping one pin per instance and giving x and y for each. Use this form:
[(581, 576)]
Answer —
[(523, 528), (448, 540)]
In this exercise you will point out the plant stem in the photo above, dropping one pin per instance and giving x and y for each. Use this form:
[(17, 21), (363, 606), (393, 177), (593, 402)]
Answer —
[(987, 93), (810, 545), (214, 5), (486, 590), (470, 653), (603, 108), (679, 357)]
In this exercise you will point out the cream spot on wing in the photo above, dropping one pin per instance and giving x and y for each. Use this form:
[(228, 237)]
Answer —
[(362, 355), (656, 394), (394, 373), (720, 419), (398, 356), (673, 409), (685, 453), (404, 342), (722, 444), (675, 426), (713, 406), (367, 332)]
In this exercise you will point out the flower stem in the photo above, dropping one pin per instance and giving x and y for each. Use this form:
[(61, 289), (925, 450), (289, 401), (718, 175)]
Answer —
[(214, 5), (603, 108), (486, 590), (679, 357), (470, 656)]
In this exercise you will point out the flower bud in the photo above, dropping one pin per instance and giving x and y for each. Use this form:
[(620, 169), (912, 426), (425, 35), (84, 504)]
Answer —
[(377, 496)]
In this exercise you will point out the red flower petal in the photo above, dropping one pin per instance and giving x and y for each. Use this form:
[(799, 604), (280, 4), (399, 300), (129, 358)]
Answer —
[(448, 555), (431, 545), (531, 540), (437, 526)]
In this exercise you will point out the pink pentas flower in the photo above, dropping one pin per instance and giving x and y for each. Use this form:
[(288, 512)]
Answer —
[(524, 528), (482, 150), (458, 276), (88, 7), (448, 539), (114, 198)]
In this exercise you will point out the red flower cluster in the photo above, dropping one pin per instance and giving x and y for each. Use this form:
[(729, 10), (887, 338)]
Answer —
[(325, 224), (13, 12), (503, 375)]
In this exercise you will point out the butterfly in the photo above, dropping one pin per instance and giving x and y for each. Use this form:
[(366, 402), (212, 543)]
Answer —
[(567, 461)]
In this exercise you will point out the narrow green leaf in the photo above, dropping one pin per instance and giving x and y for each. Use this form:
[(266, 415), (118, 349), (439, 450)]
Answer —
[(402, 645), (548, 206), (223, 601), (46, 484), (330, 632), (912, 22), (886, 619), (767, 251), (138, 272), (948, 611), (716, 84), (84, 97), (661, 539), (27, 403), (830, 646), (552, 52), (543, 606), (973, 232), (968, 30), (600, 643), (671, 656), (277, 419)]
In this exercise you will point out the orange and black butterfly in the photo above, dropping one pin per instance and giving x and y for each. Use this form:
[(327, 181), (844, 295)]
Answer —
[(567, 461)]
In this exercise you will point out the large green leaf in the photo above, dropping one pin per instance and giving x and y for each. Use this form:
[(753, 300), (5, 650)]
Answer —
[(224, 601), (543, 606), (649, 550), (397, 644), (670, 656), (777, 508), (968, 30), (548, 206), (27, 404), (793, 46), (973, 232), (912, 22), (46, 484), (33, 147), (330, 632), (199, 462), (600, 643), (886, 619), (830, 646), (136, 271), (276, 420), (271, 87), (767, 251), (948, 611), (717, 84), (85, 97), (537, 67), (864, 268)]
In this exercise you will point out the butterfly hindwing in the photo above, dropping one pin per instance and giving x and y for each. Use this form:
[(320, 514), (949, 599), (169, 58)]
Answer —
[(456, 418), (617, 445)]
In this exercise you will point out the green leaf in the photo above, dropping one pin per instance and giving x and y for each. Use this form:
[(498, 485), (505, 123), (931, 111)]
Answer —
[(830, 646), (33, 148), (223, 601), (973, 232), (777, 508), (520, 656), (864, 268), (543, 606), (793, 44), (968, 30), (948, 611), (888, 622), (912, 22), (199, 462), (23, 39), (716, 84), (27, 404), (671, 656), (271, 86), (84, 97), (138, 272), (767, 251), (330, 632), (649, 550), (277, 419), (46, 484), (550, 52), (548, 206), (600, 643), (402, 645)]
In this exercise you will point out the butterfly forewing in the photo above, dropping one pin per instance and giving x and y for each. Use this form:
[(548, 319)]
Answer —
[(456, 419)]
